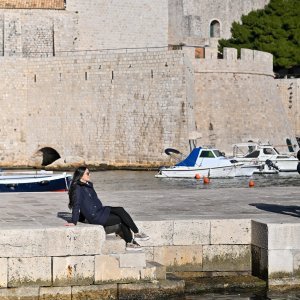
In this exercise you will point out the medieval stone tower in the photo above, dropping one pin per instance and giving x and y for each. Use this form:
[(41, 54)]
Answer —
[(116, 82)]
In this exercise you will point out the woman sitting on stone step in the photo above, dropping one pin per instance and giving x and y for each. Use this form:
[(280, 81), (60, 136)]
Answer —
[(84, 202)]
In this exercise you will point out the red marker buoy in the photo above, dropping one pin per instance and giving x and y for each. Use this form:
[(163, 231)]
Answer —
[(206, 180), (251, 183), (197, 176)]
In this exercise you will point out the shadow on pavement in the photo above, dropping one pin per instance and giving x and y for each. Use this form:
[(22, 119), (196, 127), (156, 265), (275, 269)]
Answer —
[(65, 216), (291, 210)]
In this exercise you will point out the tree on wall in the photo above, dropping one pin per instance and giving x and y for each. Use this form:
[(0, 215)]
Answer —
[(274, 29)]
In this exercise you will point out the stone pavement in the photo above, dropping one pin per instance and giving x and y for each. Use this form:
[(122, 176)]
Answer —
[(272, 204)]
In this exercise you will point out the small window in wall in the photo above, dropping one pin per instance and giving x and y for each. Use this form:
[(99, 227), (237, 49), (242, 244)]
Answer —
[(215, 29)]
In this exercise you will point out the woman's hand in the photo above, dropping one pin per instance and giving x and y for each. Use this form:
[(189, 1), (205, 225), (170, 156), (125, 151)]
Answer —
[(70, 224)]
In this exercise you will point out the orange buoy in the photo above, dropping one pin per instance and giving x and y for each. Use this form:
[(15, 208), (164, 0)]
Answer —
[(197, 176), (251, 183), (206, 180)]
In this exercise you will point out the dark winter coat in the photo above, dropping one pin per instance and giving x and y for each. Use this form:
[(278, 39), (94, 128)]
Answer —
[(87, 204)]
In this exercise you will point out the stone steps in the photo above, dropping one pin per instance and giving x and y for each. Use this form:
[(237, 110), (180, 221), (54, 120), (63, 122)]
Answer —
[(117, 264)]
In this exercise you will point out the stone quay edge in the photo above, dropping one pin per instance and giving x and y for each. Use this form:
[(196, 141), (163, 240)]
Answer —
[(223, 234)]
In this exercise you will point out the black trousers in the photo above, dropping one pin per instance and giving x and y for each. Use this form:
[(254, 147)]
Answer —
[(118, 215)]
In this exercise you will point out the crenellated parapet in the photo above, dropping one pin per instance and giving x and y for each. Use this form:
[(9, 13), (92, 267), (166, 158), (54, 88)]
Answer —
[(250, 62)]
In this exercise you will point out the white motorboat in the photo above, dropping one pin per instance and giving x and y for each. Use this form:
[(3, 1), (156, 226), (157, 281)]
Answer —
[(265, 154), (206, 162)]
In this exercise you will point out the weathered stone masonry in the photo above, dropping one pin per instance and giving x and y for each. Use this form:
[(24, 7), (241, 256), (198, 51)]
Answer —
[(95, 80), (237, 100), (30, 4), (116, 109)]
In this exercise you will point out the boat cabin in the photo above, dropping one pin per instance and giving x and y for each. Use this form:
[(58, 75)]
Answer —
[(202, 157)]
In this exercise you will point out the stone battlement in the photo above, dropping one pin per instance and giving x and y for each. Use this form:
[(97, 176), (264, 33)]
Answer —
[(250, 61), (32, 4)]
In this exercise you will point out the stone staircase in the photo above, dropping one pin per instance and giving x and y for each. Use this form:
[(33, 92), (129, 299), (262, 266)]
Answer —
[(117, 264)]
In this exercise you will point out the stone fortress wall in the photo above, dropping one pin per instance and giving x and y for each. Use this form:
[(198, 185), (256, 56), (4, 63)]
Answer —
[(84, 25), (120, 109), (237, 99), (194, 22), (29, 4), (289, 91), (97, 81)]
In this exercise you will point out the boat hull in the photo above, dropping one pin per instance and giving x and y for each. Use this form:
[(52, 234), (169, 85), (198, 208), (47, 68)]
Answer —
[(20, 184), (191, 172)]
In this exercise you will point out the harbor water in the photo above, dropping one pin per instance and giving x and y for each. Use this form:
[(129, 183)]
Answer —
[(145, 180), (294, 295)]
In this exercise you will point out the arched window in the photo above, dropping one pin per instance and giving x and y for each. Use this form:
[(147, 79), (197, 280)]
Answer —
[(215, 29)]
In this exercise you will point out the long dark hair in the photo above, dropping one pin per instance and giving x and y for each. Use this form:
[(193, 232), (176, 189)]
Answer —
[(76, 178)]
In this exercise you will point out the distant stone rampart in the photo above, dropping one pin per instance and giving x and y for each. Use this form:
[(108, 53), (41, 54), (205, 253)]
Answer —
[(236, 100), (289, 90)]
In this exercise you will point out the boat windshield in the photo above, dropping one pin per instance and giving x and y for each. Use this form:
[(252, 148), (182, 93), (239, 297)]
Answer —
[(218, 153), (207, 154), (253, 154), (268, 151)]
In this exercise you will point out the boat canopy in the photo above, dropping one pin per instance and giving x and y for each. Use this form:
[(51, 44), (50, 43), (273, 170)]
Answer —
[(191, 159)]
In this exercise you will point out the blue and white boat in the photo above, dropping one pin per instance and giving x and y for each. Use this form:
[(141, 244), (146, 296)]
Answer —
[(206, 162), (39, 182)]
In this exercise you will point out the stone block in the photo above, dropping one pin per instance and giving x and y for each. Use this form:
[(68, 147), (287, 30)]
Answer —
[(113, 245), (73, 270), (149, 252), (104, 291), (211, 53), (26, 293), (227, 258), (179, 258), (230, 53), (149, 290), (160, 232), (231, 232), (82, 239), (284, 236), (280, 262), (132, 260), (191, 232), (259, 262), (29, 271), (107, 269), (55, 293), (259, 234), (3, 272), (76, 240), (163, 289), (247, 54), (153, 270)]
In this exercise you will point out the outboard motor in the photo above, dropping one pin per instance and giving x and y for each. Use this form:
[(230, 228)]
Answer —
[(270, 164)]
